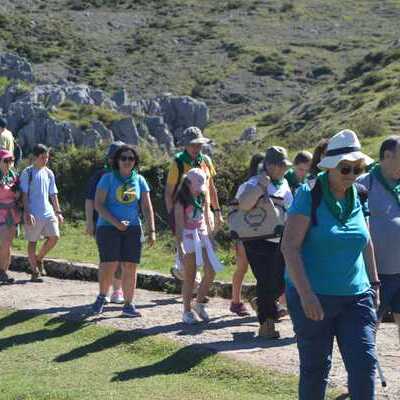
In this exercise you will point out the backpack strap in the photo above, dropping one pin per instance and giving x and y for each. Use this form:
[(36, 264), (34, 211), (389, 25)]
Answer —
[(316, 196), (180, 166)]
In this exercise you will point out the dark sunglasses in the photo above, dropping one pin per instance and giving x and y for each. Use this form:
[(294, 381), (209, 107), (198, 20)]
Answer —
[(347, 169), (8, 160), (127, 158)]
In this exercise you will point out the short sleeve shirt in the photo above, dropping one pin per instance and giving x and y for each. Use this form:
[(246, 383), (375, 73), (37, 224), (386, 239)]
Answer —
[(384, 222), (332, 253), (122, 202), (39, 184), (173, 173)]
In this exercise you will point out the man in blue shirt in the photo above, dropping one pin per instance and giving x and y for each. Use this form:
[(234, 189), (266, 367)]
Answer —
[(42, 213)]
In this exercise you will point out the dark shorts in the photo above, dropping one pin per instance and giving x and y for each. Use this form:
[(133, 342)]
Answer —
[(389, 294), (115, 245)]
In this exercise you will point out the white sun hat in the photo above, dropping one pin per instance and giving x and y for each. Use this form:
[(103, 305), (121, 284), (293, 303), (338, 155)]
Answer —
[(343, 146)]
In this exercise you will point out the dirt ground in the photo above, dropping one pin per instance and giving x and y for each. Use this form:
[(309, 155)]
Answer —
[(225, 333)]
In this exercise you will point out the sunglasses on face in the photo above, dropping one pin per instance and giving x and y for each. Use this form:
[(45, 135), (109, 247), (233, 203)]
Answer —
[(347, 169), (127, 158), (8, 160)]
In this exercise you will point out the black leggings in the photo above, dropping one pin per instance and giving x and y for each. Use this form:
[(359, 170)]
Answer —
[(267, 263)]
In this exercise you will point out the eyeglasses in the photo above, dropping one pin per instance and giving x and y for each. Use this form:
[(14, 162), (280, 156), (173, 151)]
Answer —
[(127, 158), (8, 160), (347, 169)]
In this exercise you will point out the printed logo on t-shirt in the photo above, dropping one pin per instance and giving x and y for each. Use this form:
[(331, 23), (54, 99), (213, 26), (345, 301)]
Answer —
[(126, 195)]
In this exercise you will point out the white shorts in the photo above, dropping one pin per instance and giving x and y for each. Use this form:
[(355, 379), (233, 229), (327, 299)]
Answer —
[(42, 228)]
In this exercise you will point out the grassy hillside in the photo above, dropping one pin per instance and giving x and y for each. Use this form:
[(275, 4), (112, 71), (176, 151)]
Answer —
[(296, 69)]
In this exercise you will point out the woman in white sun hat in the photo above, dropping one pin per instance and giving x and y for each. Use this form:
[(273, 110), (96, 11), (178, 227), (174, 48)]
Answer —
[(332, 280)]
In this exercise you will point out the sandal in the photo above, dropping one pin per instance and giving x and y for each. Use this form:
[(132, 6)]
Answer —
[(35, 277)]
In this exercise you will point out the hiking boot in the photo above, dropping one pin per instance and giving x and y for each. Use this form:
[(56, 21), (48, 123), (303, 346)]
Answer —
[(239, 309), (190, 318), (129, 310), (35, 277), (200, 309), (117, 297), (99, 304), (267, 330), (5, 279)]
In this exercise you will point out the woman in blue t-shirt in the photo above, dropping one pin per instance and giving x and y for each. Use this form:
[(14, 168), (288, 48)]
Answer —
[(332, 274), (120, 196)]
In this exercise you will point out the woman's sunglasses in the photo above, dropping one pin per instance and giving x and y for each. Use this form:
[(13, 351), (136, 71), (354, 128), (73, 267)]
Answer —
[(127, 158), (347, 169), (8, 160)]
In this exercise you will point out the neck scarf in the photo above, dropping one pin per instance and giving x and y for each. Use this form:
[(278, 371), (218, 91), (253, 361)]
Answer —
[(198, 204), (8, 179), (340, 212), (127, 181), (394, 190), (277, 182), (185, 157)]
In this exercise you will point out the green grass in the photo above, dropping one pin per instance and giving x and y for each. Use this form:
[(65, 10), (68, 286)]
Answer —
[(46, 358), (74, 245)]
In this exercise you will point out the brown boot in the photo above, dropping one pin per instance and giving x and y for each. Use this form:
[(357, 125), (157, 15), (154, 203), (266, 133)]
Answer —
[(267, 330)]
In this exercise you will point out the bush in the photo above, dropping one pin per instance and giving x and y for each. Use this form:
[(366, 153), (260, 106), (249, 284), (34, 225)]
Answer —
[(368, 126), (389, 100)]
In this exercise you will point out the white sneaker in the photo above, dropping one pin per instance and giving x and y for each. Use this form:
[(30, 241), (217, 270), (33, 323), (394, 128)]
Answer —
[(117, 297), (190, 318), (200, 310)]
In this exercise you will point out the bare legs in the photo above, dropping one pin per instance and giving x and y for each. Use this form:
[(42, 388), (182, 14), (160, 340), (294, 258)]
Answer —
[(7, 235), (242, 266)]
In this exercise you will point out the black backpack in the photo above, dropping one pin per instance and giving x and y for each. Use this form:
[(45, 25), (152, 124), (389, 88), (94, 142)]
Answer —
[(316, 197)]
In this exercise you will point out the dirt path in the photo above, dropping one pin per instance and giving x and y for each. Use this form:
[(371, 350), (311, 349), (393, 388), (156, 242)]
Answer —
[(225, 333)]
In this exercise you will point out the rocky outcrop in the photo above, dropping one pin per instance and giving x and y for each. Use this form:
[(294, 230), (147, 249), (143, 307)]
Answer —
[(32, 112), (14, 67)]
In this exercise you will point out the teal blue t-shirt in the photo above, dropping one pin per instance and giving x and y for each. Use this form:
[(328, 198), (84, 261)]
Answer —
[(333, 253), (122, 203)]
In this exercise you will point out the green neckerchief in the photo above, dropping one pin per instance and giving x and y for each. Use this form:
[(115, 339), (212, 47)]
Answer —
[(184, 157), (197, 203), (341, 213), (278, 182), (8, 179), (394, 190), (127, 181)]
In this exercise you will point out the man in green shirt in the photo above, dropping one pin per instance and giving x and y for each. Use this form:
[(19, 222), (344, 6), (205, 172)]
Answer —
[(297, 175)]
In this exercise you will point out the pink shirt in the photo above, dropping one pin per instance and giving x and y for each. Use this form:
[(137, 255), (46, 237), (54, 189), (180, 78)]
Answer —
[(197, 222), (7, 196)]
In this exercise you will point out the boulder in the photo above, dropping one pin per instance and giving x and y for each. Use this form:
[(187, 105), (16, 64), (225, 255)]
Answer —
[(249, 134), (181, 112), (58, 133), (98, 96), (79, 94), (120, 97), (126, 131), (15, 67), (159, 130)]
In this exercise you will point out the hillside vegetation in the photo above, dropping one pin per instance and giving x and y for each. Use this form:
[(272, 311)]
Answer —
[(297, 70)]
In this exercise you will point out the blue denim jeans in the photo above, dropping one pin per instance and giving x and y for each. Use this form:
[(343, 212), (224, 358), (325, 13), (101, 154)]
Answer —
[(352, 320)]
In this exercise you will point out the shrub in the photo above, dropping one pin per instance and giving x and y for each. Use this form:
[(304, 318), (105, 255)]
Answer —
[(389, 100), (368, 126)]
